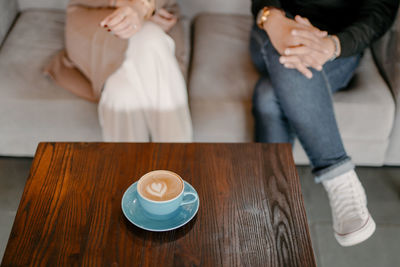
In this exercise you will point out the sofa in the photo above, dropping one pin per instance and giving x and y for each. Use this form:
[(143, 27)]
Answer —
[(221, 79)]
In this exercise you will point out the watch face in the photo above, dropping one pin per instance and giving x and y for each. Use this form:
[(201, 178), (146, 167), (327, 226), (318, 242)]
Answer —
[(259, 16), (262, 17), (265, 14)]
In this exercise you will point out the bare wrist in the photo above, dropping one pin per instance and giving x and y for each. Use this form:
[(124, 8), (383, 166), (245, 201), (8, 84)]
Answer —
[(148, 7), (144, 8), (141, 9), (275, 14), (335, 46)]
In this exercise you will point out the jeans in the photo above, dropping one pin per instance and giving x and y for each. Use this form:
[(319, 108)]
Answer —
[(286, 104)]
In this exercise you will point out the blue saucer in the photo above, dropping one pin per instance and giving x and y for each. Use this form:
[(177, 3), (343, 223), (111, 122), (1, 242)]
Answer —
[(134, 212)]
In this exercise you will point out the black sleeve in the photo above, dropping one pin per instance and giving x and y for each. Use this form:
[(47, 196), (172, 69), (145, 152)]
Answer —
[(257, 5), (373, 20)]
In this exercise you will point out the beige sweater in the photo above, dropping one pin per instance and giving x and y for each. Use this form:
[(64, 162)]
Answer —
[(91, 53)]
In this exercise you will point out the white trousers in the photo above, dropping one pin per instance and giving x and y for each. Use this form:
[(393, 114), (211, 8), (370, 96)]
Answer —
[(146, 98)]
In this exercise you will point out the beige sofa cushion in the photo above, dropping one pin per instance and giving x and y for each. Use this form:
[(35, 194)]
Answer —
[(33, 108), (387, 55), (48, 4), (221, 81), (221, 66)]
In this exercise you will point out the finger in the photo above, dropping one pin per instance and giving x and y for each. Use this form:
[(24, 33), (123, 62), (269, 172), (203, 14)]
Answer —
[(304, 21), (299, 41), (165, 24), (289, 66), (298, 51), (308, 33), (307, 58), (165, 14), (311, 36), (318, 32), (121, 25), (160, 20), (310, 61), (296, 62), (304, 70), (171, 22), (156, 18), (112, 20), (116, 17), (106, 21), (302, 51), (127, 33)]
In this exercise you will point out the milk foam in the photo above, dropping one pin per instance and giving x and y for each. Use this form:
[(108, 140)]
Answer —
[(160, 187), (157, 189)]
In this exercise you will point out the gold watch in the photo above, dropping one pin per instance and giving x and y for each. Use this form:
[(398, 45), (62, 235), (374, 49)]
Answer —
[(262, 16)]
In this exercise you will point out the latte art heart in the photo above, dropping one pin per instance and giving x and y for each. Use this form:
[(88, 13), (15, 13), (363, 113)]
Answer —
[(156, 189), (160, 186)]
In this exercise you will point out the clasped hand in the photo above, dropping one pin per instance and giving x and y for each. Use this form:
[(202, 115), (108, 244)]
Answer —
[(300, 44), (128, 18)]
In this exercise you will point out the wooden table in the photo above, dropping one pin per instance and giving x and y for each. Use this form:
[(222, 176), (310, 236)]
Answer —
[(251, 208)]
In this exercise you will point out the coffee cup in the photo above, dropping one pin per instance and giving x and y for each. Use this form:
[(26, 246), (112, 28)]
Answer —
[(162, 192)]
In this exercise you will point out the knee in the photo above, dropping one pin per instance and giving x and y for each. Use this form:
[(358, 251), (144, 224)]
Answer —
[(265, 102), (115, 100), (151, 37), (292, 84)]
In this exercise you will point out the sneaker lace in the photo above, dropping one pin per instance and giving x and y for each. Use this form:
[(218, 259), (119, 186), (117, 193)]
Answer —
[(348, 199)]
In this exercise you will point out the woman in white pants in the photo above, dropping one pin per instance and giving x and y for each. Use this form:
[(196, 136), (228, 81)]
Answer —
[(146, 98), (118, 53)]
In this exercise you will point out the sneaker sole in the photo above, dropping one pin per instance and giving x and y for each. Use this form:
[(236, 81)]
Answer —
[(358, 236)]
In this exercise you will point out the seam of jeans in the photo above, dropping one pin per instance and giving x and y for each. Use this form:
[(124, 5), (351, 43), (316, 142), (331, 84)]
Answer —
[(259, 40), (265, 58), (328, 85), (256, 34), (264, 53)]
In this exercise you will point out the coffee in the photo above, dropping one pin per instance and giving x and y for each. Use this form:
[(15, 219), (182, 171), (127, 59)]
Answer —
[(160, 186)]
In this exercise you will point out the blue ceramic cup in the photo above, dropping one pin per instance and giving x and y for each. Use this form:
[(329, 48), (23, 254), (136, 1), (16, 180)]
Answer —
[(164, 207)]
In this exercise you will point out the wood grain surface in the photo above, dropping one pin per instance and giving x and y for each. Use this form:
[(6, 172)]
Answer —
[(251, 208)]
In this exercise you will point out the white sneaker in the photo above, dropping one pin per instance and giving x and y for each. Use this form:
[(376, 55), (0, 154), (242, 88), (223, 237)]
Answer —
[(352, 222)]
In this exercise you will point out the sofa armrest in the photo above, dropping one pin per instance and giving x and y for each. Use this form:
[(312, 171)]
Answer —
[(8, 13), (386, 53)]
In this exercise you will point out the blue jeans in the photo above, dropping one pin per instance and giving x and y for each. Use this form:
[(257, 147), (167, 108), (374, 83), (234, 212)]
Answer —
[(287, 104)]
